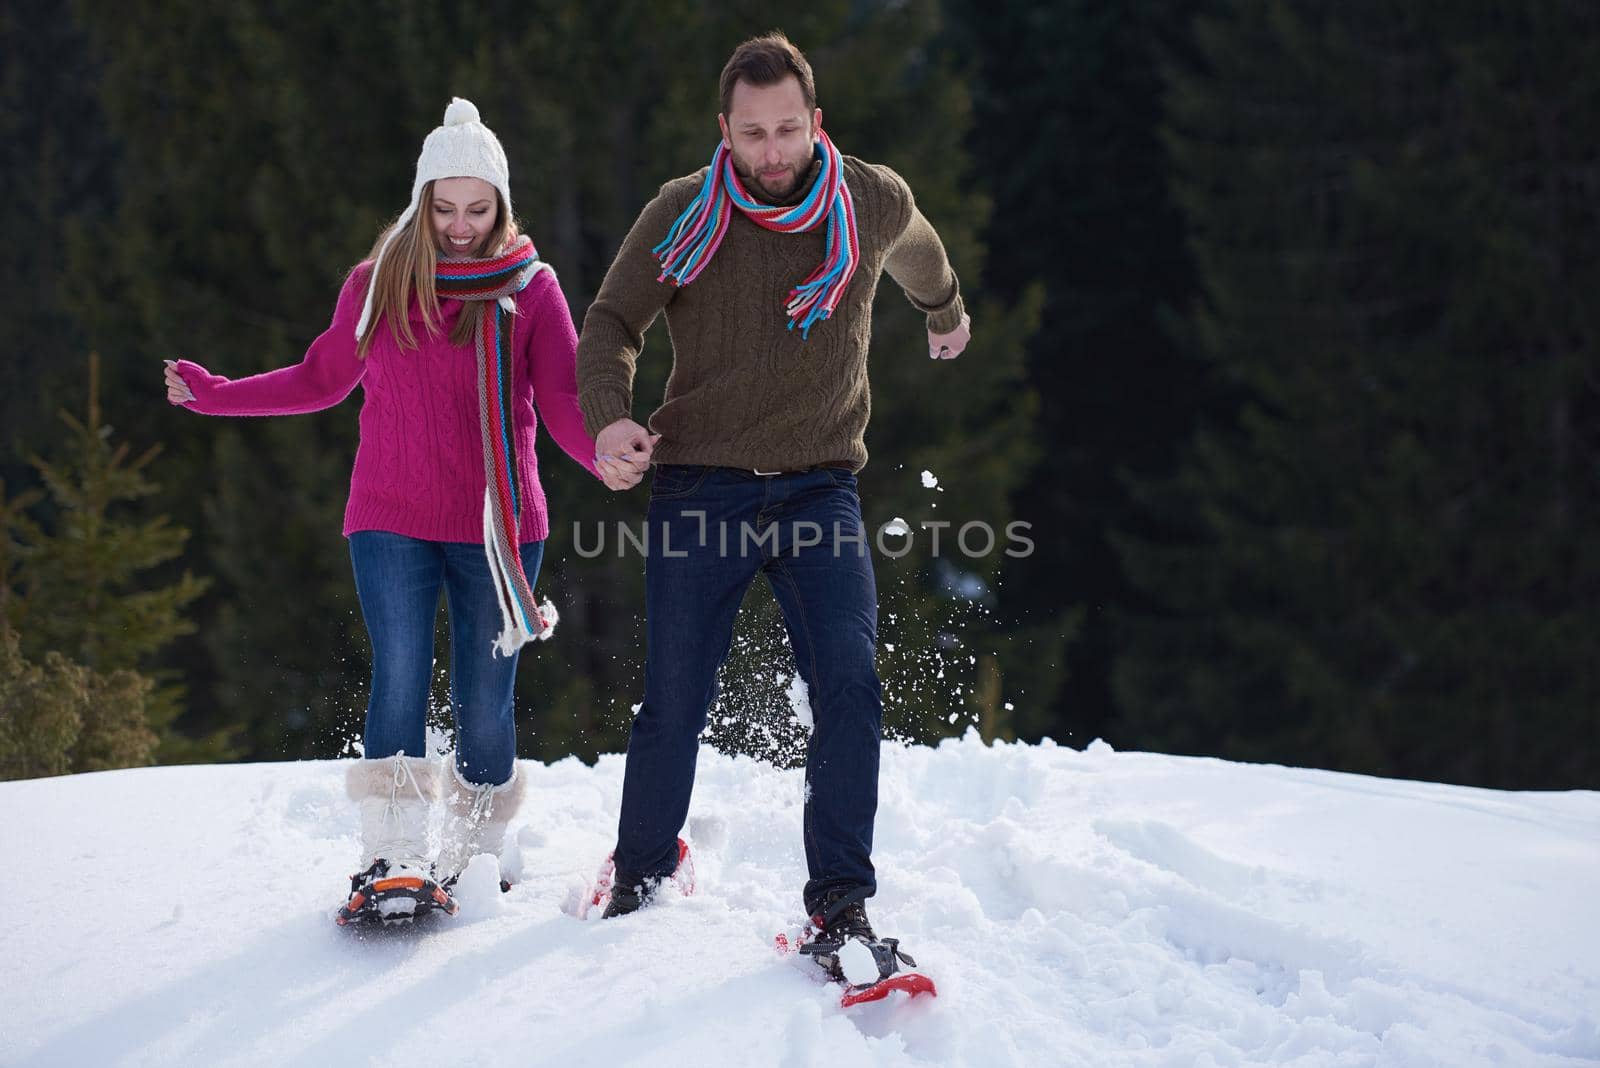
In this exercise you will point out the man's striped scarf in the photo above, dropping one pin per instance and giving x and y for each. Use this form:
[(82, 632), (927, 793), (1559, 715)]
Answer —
[(496, 280), (697, 233)]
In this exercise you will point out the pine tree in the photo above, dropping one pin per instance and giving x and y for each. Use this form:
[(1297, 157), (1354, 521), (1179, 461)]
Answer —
[(40, 711), (1385, 563), (77, 585), (40, 716), (58, 717)]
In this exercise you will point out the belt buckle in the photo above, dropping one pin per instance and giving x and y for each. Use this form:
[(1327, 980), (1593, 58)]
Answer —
[(764, 474)]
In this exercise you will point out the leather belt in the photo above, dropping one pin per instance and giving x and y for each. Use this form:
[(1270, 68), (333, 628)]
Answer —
[(836, 465)]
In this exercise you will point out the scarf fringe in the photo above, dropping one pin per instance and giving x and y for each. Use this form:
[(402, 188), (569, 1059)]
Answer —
[(517, 629)]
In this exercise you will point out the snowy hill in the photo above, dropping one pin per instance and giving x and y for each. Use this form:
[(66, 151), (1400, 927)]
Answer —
[(1076, 908)]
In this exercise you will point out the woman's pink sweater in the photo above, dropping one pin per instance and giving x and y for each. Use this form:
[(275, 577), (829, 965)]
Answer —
[(419, 467)]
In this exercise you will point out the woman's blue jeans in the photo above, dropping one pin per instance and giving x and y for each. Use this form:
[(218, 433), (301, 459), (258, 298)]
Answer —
[(398, 581)]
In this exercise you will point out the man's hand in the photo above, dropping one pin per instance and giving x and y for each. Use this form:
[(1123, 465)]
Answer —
[(949, 346), (622, 453)]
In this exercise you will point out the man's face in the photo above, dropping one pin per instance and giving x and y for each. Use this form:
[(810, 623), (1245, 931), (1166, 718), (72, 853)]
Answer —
[(770, 133)]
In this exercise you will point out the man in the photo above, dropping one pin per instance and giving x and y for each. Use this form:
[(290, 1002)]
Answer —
[(765, 264)]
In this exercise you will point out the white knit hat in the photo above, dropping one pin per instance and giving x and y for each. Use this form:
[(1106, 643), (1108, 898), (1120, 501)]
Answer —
[(462, 148)]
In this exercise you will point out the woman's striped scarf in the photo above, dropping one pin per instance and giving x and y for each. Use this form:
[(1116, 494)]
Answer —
[(497, 280), (697, 234)]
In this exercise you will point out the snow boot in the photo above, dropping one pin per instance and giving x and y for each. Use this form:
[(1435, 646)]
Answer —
[(840, 931), (624, 895), (477, 815), (394, 796), (629, 899)]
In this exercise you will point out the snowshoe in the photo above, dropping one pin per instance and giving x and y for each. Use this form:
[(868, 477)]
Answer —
[(377, 897), (842, 943), (628, 900)]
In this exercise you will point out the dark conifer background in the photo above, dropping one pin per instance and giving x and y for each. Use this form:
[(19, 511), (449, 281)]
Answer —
[(1285, 345)]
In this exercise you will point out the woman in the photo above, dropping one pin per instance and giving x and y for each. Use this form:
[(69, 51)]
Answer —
[(453, 327)]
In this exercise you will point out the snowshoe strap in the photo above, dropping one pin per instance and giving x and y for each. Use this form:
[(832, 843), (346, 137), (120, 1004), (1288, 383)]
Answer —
[(887, 955), (376, 871), (834, 911), (891, 946)]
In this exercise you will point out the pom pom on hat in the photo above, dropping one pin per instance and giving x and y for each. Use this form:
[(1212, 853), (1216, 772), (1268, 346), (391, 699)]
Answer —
[(460, 111), (463, 147)]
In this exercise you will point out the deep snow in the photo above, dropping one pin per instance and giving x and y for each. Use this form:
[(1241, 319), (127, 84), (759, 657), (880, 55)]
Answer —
[(1092, 908)]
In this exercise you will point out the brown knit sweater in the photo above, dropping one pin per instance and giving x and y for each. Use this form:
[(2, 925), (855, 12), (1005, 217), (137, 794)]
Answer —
[(746, 391)]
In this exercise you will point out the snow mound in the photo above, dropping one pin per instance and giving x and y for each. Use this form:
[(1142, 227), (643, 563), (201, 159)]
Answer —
[(1075, 908)]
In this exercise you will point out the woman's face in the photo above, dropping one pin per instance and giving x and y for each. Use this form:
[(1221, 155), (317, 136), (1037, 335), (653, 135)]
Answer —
[(465, 210)]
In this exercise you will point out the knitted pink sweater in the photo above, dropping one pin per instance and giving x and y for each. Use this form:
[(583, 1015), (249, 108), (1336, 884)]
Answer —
[(419, 464)]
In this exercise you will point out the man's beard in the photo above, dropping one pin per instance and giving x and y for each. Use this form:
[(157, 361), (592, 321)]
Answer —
[(747, 175)]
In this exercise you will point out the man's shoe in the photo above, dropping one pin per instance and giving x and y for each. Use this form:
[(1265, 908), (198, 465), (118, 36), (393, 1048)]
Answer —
[(624, 896), (844, 945), (626, 899), (844, 915)]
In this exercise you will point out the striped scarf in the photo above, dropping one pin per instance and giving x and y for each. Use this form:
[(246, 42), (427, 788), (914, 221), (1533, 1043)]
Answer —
[(697, 234), (496, 280)]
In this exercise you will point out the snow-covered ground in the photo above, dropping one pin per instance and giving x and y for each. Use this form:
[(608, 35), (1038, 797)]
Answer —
[(1076, 908)]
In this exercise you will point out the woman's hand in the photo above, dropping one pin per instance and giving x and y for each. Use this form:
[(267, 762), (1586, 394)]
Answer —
[(622, 454), (178, 391), (622, 474)]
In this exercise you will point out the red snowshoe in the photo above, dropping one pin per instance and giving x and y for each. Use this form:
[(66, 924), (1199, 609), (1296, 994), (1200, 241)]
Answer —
[(599, 895), (841, 929)]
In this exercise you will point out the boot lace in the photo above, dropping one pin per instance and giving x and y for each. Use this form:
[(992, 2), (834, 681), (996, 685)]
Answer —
[(397, 846), (482, 804)]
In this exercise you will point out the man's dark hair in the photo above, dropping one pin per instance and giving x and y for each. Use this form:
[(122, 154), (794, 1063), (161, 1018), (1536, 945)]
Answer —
[(767, 60)]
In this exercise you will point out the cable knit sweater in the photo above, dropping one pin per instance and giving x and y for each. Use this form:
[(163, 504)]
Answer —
[(419, 464), (745, 391)]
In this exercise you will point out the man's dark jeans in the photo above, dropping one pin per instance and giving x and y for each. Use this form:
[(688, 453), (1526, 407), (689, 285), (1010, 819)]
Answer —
[(711, 530)]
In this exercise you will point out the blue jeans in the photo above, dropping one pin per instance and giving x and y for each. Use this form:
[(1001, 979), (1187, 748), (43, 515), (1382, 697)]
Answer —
[(701, 561), (398, 580)]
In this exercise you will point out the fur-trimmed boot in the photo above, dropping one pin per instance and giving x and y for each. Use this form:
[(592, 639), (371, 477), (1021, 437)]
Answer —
[(477, 815), (394, 796)]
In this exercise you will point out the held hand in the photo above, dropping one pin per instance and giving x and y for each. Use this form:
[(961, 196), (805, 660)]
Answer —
[(622, 453), (619, 474), (949, 346), (178, 391)]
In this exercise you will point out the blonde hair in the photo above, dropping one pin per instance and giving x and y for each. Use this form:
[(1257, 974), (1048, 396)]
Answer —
[(409, 267)]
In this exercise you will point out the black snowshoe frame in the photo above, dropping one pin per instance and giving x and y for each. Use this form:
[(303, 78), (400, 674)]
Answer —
[(372, 888)]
